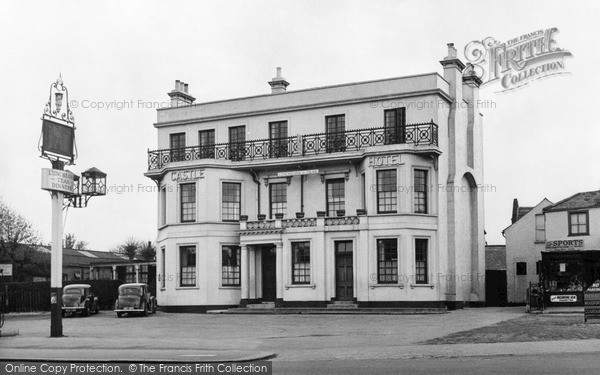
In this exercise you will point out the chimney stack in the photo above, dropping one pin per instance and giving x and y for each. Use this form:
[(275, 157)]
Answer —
[(278, 83), (180, 96)]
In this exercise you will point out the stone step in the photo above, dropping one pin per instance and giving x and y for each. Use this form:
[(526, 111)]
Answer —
[(264, 305), (333, 306)]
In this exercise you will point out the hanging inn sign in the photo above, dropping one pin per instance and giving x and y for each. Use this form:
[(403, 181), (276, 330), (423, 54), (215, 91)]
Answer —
[(58, 126)]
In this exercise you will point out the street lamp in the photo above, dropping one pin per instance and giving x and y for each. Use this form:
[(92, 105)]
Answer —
[(93, 184), (58, 146)]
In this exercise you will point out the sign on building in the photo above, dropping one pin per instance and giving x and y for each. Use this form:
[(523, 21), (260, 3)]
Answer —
[(591, 306), (564, 245), (297, 173), (6, 270)]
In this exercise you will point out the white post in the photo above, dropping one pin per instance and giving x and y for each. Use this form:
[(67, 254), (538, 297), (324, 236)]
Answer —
[(56, 266)]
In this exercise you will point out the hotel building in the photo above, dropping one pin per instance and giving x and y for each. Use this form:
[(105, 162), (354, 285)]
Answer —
[(363, 193)]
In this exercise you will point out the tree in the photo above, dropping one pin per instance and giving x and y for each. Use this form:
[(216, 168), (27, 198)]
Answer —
[(147, 251), (71, 242), (18, 238), (130, 248)]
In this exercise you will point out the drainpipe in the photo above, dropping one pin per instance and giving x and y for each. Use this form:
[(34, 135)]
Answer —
[(257, 182)]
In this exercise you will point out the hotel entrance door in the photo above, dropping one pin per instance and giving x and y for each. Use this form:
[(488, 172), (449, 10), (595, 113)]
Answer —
[(269, 281), (344, 271)]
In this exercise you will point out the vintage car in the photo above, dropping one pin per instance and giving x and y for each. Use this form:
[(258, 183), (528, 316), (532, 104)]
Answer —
[(79, 299), (135, 298)]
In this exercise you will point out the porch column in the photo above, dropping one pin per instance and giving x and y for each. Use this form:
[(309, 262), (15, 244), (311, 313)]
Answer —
[(252, 274), (114, 272), (137, 273), (244, 276), (279, 274)]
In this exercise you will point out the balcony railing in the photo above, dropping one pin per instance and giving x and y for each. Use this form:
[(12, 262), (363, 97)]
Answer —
[(311, 144)]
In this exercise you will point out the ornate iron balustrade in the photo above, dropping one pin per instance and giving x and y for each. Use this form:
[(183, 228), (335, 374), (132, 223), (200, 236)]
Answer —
[(344, 220), (310, 144)]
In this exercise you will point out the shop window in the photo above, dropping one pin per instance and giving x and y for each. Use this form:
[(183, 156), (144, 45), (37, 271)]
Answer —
[(188, 202), (521, 268), (578, 223), (130, 274), (387, 261), (230, 265), (143, 273), (420, 191), (387, 196), (187, 266), (301, 262), (278, 198), (336, 197), (540, 228), (421, 261), (231, 204)]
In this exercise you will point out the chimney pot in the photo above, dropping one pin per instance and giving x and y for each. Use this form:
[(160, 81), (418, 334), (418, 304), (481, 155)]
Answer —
[(176, 85), (278, 72), (185, 88)]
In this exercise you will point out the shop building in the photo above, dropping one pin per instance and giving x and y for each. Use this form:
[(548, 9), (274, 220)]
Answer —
[(365, 192), (525, 242), (571, 258)]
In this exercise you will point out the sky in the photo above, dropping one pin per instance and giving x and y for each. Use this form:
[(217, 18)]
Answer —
[(119, 60)]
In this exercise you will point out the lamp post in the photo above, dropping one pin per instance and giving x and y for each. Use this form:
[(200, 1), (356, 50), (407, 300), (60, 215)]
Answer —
[(58, 140)]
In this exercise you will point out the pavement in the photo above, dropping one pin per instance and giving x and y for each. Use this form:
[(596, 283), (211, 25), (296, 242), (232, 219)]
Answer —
[(168, 337)]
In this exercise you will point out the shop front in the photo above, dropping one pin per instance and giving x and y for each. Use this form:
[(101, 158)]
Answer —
[(567, 274)]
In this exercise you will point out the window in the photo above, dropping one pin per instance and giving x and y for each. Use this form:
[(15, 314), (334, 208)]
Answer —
[(540, 228), (206, 140), (237, 146), (578, 223), (130, 274), (278, 132), (143, 273), (230, 265), (421, 261), (420, 191), (163, 206), (188, 202), (387, 197), (187, 266), (335, 127), (521, 268), (387, 261), (163, 282), (336, 197), (231, 205), (538, 267), (300, 262), (395, 125), (177, 147), (278, 198)]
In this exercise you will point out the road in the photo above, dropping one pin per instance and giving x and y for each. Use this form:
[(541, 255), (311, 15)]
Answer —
[(587, 363)]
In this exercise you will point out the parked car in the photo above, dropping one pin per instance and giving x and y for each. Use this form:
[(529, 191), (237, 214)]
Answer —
[(135, 298), (79, 299)]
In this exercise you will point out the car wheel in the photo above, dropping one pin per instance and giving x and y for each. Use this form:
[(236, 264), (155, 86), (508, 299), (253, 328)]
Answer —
[(145, 309), (119, 315)]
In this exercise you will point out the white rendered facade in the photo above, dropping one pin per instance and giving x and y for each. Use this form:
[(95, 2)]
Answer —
[(347, 159)]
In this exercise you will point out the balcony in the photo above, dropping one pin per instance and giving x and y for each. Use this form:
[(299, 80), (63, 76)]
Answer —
[(425, 134)]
